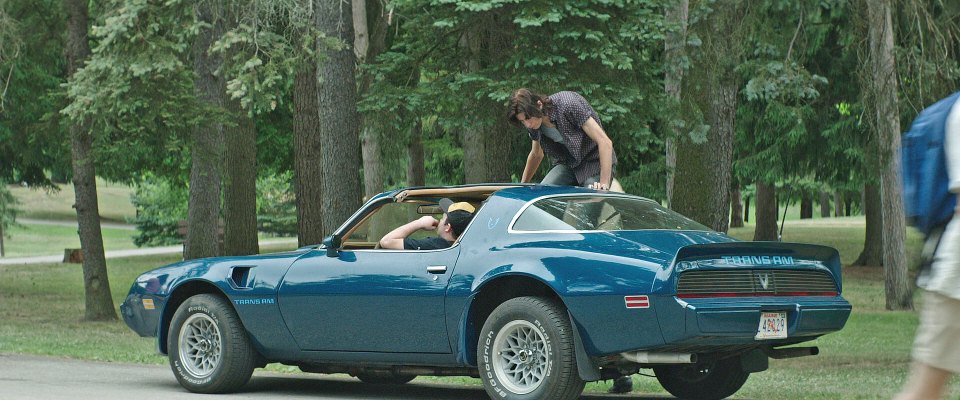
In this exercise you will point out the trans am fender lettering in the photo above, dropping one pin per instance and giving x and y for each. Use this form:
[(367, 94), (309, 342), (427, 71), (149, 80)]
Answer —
[(244, 302)]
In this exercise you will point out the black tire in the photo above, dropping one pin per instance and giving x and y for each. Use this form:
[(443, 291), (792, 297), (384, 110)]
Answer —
[(384, 378), (703, 381), (208, 347), (526, 352)]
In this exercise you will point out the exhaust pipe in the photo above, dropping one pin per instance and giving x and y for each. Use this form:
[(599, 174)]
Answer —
[(792, 352), (645, 357)]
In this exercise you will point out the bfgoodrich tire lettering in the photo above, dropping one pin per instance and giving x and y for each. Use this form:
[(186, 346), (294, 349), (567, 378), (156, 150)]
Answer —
[(208, 348), (526, 352), (703, 381)]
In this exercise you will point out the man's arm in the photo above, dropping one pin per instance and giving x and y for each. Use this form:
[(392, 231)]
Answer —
[(605, 148), (533, 162), (394, 239)]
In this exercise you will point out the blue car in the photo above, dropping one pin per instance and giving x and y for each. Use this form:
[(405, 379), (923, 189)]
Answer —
[(547, 288)]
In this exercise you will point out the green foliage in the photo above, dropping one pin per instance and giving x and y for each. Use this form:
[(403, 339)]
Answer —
[(32, 144), (8, 209), (796, 127), (458, 61), (276, 205), (927, 35), (136, 92), (161, 205), (270, 41)]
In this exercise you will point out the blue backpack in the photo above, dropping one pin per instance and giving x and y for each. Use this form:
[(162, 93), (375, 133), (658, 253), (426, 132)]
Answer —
[(927, 202)]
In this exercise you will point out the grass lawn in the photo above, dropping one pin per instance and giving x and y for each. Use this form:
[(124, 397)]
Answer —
[(113, 200), (37, 240), (41, 305)]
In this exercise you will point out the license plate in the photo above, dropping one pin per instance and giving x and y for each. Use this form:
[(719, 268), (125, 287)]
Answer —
[(773, 325)]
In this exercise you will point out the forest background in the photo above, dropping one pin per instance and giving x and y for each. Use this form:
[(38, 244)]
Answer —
[(283, 115)]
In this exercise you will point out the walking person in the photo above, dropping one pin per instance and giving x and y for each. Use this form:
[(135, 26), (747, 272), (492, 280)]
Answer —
[(936, 351)]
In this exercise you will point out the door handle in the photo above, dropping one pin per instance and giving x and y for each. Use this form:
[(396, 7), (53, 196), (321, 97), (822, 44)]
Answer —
[(437, 269)]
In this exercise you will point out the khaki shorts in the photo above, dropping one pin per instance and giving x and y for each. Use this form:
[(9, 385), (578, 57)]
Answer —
[(937, 341)]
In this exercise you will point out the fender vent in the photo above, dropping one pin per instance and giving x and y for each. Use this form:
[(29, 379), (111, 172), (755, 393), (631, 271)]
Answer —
[(241, 277)]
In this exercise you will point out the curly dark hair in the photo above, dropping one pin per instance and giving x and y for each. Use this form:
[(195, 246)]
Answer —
[(524, 101)]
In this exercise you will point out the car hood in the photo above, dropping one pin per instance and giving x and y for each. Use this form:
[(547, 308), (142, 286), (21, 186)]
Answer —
[(161, 281)]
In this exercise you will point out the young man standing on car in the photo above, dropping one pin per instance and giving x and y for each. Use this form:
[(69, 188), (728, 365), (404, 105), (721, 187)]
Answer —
[(456, 217), (566, 128)]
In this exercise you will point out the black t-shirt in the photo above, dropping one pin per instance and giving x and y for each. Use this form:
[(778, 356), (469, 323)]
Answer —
[(431, 243)]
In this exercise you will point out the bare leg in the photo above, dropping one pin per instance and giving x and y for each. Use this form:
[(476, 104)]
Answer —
[(925, 383)]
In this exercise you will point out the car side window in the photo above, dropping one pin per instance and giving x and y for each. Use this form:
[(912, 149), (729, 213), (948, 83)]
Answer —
[(600, 213), (368, 233)]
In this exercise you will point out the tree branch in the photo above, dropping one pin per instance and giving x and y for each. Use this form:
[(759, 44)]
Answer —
[(795, 34)]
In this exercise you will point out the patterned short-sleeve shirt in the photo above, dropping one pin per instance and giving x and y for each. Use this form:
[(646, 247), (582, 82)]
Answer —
[(578, 151)]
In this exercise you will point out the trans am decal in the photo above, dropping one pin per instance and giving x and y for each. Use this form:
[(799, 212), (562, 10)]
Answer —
[(758, 260), (245, 302)]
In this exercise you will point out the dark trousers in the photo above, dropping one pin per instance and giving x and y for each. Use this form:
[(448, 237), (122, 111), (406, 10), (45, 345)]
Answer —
[(562, 175)]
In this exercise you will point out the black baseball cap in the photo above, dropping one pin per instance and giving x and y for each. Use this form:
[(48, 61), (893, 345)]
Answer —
[(458, 214)]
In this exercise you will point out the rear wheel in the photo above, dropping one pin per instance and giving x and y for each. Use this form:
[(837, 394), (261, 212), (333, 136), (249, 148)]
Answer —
[(526, 352), (385, 378), (208, 347), (703, 381)]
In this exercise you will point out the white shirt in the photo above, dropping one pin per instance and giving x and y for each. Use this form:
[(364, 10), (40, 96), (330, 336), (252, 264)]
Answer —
[(945, 271)]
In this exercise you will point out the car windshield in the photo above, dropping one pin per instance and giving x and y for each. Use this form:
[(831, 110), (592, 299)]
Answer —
[(603, 213)]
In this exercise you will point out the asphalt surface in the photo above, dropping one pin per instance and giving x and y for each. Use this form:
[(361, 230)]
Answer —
[(43, 378), (56, 258)]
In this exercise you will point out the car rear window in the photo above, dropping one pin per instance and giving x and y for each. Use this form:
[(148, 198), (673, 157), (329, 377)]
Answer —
[(600, 213)]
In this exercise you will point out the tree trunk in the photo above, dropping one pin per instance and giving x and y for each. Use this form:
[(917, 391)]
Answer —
[(98, 301), (307, 157), (872, 253), (486, 149), (2, 250), (703, 172), (203, 210), (372, 167), (767, 213), (240, 185), (674, 44), (342, 192), (848, 204), (736, 207), (366, 48), (746, 209), (806, 207), (837, 203), (416, 170), (824, 205), (882, 81)]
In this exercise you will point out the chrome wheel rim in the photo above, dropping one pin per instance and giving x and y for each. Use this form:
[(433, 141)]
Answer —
[(521, 358), (200, 345)]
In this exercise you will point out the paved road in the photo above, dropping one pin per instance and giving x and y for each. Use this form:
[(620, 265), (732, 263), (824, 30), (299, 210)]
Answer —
[(124, 253), (114, 225), (50, 378)]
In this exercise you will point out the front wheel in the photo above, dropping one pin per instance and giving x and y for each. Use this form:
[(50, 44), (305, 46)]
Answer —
[(208, 347), (703, 381), (526, 352)]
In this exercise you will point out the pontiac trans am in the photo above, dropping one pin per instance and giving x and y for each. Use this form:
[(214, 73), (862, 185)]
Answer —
[(547, 288)]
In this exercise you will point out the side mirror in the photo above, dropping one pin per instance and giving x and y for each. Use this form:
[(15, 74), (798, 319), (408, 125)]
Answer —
[(332, 243)]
